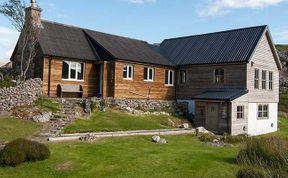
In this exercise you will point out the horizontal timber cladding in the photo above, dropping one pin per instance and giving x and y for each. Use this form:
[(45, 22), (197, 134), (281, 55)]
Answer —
[(137, 88), (200, 78), (263, 59), (90, 83)]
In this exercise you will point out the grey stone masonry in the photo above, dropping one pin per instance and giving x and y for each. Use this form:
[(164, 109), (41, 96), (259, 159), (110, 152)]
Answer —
[(144, 105), (23, 94)]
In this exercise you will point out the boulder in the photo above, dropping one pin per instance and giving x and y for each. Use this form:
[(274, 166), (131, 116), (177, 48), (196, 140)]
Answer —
[(44, 117), (185, 126), (156, 139), (5, 113), (202, 130), (162, 141)]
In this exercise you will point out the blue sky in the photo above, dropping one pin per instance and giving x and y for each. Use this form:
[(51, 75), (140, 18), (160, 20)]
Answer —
[(155, 20)]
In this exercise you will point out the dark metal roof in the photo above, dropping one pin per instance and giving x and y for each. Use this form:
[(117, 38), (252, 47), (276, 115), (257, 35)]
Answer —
[(221, 94), (73, 42), (65, 41), (128, 49), (231, 46)]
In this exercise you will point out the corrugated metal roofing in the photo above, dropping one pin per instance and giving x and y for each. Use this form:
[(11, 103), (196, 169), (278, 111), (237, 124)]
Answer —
[(222, 95), (221, 47)]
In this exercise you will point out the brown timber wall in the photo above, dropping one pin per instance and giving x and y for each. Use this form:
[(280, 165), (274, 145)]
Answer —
[(90, 83), (138, 88)]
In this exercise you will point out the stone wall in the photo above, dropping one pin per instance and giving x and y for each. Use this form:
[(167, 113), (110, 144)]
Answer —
[(145, 105), (23, 94)]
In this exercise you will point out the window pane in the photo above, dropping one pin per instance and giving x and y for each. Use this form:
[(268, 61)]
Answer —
[(130, 69), (80, 71), (182, 77), (166, 77), (219, 76), (171, 77), (73, 70), (151, 73), (125, 72), (145, 73), (264, 79), (256, 79), (65, 70), (270, 80)]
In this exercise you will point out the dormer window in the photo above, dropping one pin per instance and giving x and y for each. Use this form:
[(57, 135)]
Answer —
[(219, 76)]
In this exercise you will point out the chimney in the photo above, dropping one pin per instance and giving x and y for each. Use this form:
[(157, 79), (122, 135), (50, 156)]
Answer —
[(33, 14)]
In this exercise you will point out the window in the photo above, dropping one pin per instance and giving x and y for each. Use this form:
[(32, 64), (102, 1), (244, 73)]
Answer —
[(182, 76), (148, 74), (263, 111), (256, 79), (128, 72), (169, 77), (72, 71), (240, 112), (270, 80), (264, 79), (219, 76)]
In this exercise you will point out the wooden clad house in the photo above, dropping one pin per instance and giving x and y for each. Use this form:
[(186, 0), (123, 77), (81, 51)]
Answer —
[(228, 79)]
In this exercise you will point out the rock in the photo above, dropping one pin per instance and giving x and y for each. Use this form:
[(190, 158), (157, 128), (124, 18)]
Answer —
[(87, 106), (5, 113), (156, 139), (162, 141), (88, 138), (45, 117), (185, 126), (216, 141), (202, 130)]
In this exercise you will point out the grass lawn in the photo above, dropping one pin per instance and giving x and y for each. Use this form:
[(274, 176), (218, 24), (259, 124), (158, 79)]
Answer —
[(118, 121), (183, 156), (12, 128), (48, 104)]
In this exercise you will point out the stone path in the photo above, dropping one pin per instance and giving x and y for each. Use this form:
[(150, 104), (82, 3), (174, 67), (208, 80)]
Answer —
[(70, 111), (77, 136)]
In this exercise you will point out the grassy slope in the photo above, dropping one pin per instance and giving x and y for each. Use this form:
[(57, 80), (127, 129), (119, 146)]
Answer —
[(48, 104), (11, 128), (119, 121), (183, 156), (282, 47)]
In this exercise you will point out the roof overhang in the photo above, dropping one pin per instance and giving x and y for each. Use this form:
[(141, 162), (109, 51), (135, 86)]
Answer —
[(226, 95)]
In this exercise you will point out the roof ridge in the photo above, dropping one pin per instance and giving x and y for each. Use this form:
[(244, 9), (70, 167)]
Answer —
[(87, 29), (211, 33)]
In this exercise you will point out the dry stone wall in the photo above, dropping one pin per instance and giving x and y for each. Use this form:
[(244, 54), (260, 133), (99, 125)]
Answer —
[(23, 94)]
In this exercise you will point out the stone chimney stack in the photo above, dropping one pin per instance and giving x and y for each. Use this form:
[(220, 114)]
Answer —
[(33, 14)]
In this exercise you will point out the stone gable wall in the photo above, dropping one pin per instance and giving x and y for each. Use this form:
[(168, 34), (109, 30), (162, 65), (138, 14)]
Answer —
[(23, 94)]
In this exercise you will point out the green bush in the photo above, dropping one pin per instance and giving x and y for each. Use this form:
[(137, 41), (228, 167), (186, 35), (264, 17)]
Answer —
[(250, 173), (227, 138), (21, 150), (7, 82), (206, 137), (266, 152)]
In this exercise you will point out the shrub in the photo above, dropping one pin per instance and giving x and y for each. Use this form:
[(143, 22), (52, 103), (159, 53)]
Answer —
[(267, 152), (227, 138), (21, 150), (250, 173), (206, 137), (7, 82)]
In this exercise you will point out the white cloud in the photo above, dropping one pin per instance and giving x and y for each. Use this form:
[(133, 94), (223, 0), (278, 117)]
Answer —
[(281, 36), (141, 1), (218, 7), (8, 40)]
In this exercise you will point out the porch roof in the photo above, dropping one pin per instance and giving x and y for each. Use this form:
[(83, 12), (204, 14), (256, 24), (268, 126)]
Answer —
[(221, 94)]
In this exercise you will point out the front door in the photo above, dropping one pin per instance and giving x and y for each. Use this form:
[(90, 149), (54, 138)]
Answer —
[(212, 117)]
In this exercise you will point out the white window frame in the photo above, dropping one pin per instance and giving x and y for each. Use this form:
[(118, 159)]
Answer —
[(270, 82), (262, 111), (149, 78), (69, 71), (170, 80), (128, 67), (240, 112)]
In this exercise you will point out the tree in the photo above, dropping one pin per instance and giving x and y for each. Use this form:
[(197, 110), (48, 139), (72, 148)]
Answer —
[(14, 10)]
